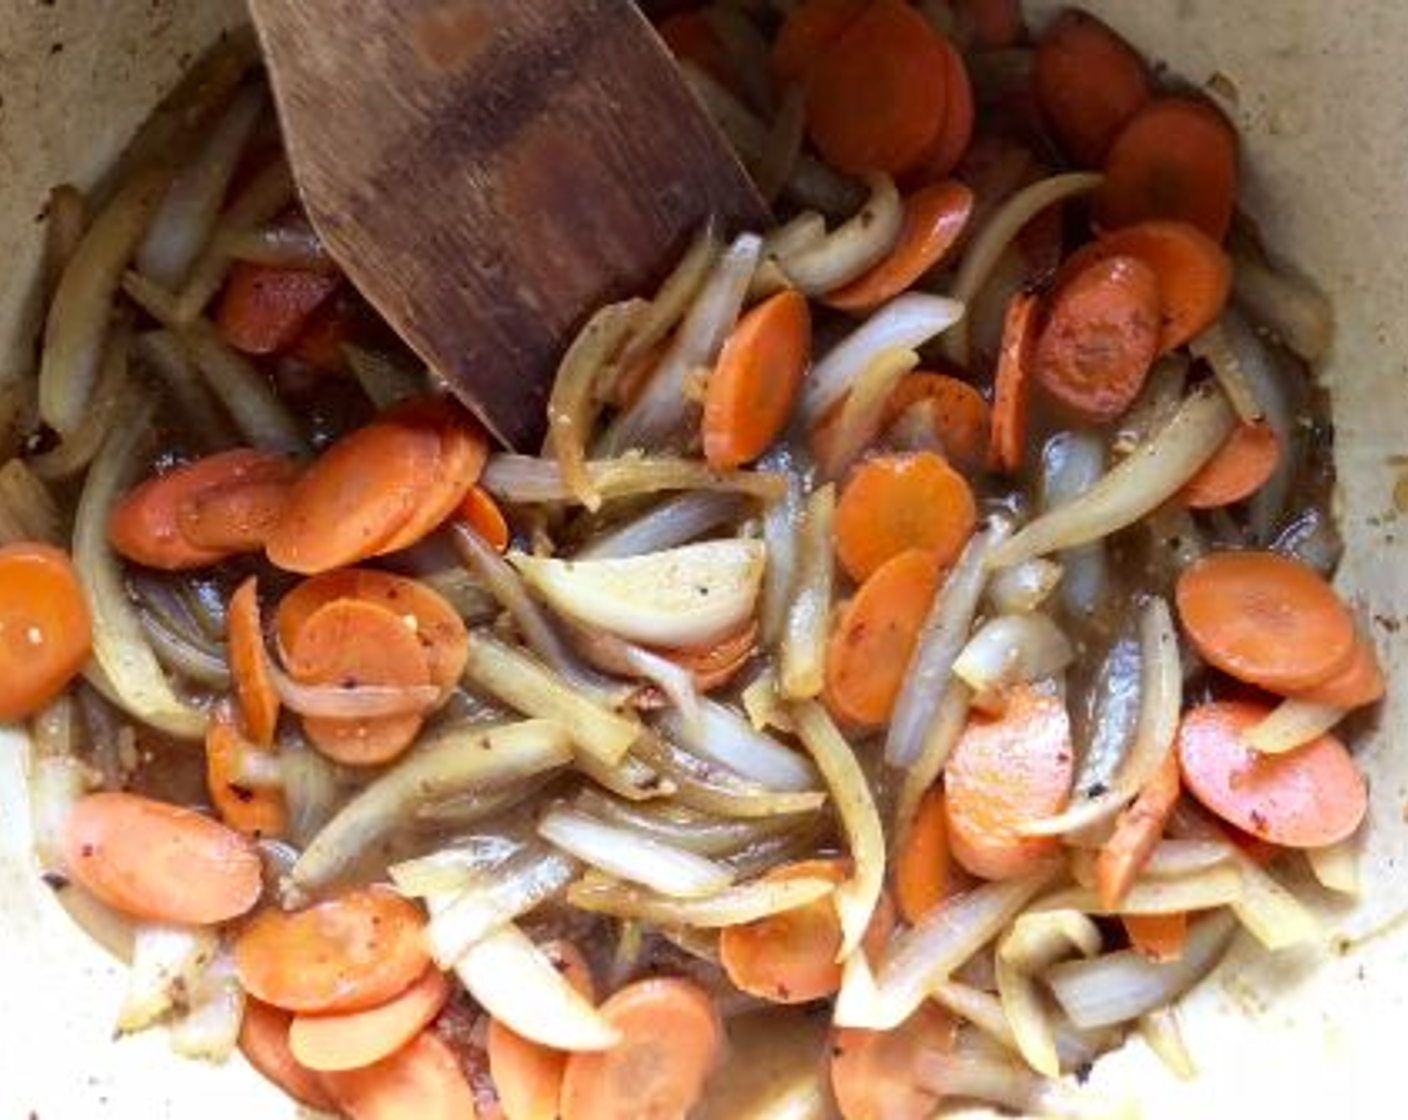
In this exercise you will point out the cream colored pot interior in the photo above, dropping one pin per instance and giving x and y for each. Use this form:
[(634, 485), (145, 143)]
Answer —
[(1321, 91)]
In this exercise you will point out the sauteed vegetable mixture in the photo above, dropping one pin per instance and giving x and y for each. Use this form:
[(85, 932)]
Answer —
[(914, 637)]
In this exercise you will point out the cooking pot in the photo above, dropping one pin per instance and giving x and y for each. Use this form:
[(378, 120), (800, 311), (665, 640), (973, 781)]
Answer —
[(1317, 91)]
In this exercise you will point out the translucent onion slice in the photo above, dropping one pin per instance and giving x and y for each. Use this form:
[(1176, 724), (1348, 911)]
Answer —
[(700, 833), (676, 295), (513, 890), (1039, 938), (209, 1027), (1161, 1032), (863, 411), (1013, 648), (1270, 912), (629, 855), (1290, 308), (360, 702), (160, 352), (1026, 1013), (1218, 885), (1291, 724), (1071, 463), (730, 740), (385, 380), (455, 867), (710, 788), (854, 247), (676, 521), (804, 637), (745, 902), (1023, 587), (526, 480), (948, 723), (1214, 348), (166, 959), (247, 394), (782, 529), (1337, 866)]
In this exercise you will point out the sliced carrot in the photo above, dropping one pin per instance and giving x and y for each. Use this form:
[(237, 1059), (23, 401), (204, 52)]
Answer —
[(161, 862), (924, 871), (482, 514), (961, 418), (691, 39), (423, 1080), (353, 1039), (264, 1043), (756, 379), (874, 1074), (873, 636), (46, 630), (877, 95), (1090, 84), (809, 29), (426, 613), (993, 24), (1160, 937), (528, 1076), (893, 503), (233, 519), (1237, 471), (1359, 683), (464, 448), (713, 666), (353, 951), (146, 526), (1005, 771), (934, 219), (354, 499), (249, 809), (1195, 275), (350, 642), (1305, 798), (670, 1042), (320, 344), (1012, 385), (946, 150), (264, 308), (249, 664), (1137, 832), (1100, 338), (1176, 158), (1265, 619)]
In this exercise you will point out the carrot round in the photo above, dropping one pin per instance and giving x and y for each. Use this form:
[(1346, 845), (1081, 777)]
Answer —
[(46, 630), (894, 503), (1090, 84), (1160, 937), (1100, 338), (482, 514), (1306, 798), (874, 635), (670, 1043), (756, 379), (1237, 471), (1012, 384), (877, 95), (1195, 275), (233, 519), (1006, 771), (249, 664), (715, 665), (148, 525), (527, 1075), (924, 871), (1176, 158), (1359, 683), (355, 497), (264, 1043), (264, 308), (254, 811), (160, 862), (961, 418), (874, 1073), (352, 642), (422, 1080), (320, 344), (351, 952), (808, 30), (946, 150), (1137, 832), (464, 448), (424, 612), (934, 219), (354, 1039), (1265, 619)]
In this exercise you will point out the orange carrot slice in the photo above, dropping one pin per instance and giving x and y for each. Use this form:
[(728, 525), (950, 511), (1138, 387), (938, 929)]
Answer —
[(946, 150), (255, 812), (713, 666), (1237, 471), (1160, 937), (874, 1073), (894, 503), (1306, 798), (1359, 683), (1137, 832), (353, 1039), (264, 1043), (1012, 385), (809, 29), (46, 631), (464, 448), (422, 1080), (249, 665), (961, 418), (482, 514), (264, 308), (160, 862), (924, 870)]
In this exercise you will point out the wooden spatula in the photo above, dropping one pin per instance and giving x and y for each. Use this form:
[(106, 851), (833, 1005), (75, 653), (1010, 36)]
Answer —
[(488, 172)]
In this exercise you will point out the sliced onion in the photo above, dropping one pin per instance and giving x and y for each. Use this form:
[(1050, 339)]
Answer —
[(56, 784), (633, 857), (516, 983), (1040, 938), (523, 479), (940, 641), (367, 701), (313, 788), (1011, 649), (1162, 1034), (1026, 1013), (948, 723), (858, 896), (1214, 348), (730, 740), (1023, 587), (465, 809), (852, 249), (710, 788), (984, 1010), (1293, 723), (451, 869), (803, 654), (863, 411), (259, 413), (468, 760), (517, 888), (1271, 913), (700, 833), (1111, 712), (281, 245), (676, 295), (1185, 857), (166, 960), (732, 906), (616, 655), (65, 219), (1071, 463), (27, 502), (1336, 867), (762, 702), (385, 380), (676, 521), (1122, 986), (510, 675), (801, 232), (1151, 475), (1214, 886), (782, 527), (907, 322), (81, 310), (180, 655), (201, 416), (184, 221), (630, 779), (657, 416), (1312, 538), (989, 243), (106, 407), (993, 1080), (209, 1027), (1289, 307), (1164, 390)]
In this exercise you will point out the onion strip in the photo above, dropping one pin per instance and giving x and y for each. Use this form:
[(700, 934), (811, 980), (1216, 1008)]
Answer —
[(106, 406), (514, 889), (730, 740), (202, 416), (628, 855), (863, 411), (746, 902), (526, 479), (674, 522), (259, 413), (365, 701), (1291, 724), (1290, 308), (803, 654), (1336, 867), (852, 249)]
